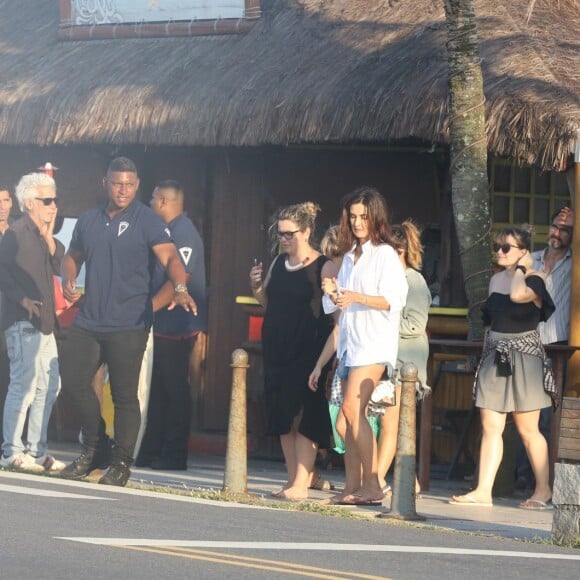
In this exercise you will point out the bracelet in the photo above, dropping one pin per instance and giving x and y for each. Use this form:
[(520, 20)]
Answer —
[(180, 289), (522, 268)]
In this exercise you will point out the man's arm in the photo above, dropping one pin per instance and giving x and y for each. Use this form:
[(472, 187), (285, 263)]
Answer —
[(169, 259), (70, 268), (164, 295)]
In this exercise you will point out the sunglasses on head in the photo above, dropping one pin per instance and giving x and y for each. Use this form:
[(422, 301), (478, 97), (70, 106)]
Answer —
[(505, 248), (286, 235), (47, 200)]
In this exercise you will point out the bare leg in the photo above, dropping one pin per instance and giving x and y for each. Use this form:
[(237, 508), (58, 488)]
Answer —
[(305, 456), (352, 464), (493, 424), (388, 439), (288, 444), (537, 450), (360, 384)]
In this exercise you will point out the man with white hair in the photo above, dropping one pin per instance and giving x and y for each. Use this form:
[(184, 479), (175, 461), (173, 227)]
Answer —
[(29, 258)]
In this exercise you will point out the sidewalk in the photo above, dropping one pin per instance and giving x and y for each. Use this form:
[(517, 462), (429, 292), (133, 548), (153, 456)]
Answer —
[(206, 472)]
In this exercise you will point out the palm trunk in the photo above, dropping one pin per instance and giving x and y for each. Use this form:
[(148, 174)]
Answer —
[(468, 168)]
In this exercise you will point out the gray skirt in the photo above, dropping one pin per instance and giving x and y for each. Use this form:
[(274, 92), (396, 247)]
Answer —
[(522, 391)]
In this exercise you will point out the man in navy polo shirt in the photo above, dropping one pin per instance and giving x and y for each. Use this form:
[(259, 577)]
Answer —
[(166, 439), (118, 243)]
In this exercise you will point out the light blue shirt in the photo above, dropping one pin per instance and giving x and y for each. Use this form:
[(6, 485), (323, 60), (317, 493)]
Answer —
[(558, 284)]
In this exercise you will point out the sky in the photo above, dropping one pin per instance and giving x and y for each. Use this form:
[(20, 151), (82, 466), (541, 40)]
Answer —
[(64, 235)]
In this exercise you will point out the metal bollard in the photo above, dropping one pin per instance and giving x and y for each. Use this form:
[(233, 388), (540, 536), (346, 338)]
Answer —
[(236, 473), (403, 499)]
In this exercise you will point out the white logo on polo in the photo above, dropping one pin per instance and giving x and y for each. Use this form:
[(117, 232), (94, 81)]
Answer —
[(185, 254), (122, 227), (168, 232)]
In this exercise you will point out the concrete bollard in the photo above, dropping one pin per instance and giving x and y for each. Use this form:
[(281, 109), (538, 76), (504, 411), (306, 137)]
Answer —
[(403, 499), (566, 500), (236, 473)]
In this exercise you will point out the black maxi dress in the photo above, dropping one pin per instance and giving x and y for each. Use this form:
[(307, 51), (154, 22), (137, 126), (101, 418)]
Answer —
[(293, 336)]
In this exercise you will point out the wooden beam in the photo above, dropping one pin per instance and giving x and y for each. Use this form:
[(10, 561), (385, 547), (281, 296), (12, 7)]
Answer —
[(573, 372)]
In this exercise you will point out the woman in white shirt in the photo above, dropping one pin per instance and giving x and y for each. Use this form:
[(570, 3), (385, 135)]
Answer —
[(370, 292)]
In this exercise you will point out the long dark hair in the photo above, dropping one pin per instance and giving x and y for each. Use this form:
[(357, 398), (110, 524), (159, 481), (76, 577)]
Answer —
[(378, 219)]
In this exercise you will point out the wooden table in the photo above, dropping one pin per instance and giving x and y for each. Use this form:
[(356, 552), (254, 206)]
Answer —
[(559, 355)]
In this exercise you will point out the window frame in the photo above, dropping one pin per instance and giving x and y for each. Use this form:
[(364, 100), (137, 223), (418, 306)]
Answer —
[(220, 26), (553, 197)]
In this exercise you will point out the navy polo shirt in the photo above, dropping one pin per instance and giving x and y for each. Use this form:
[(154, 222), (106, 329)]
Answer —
[(178, 323), (119, 264)]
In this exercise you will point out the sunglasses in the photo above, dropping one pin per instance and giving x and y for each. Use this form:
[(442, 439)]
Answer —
[(505, 248), (286, 235), (47, 200)]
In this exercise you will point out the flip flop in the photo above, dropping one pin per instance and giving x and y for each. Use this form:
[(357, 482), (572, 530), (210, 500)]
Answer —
[(358, 500), (467, 500), (536, 504)]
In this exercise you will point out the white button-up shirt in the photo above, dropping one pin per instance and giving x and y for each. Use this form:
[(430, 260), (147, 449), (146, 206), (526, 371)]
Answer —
[(558, 284), (368, 335)]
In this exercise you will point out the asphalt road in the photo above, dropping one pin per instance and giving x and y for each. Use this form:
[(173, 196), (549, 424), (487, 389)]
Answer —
[(58, 529)]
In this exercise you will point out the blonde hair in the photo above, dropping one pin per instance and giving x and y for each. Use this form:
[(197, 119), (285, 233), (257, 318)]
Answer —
[(329, 245), (409, 237), (302, 214)]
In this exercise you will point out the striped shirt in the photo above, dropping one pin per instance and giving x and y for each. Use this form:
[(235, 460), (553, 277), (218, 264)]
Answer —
[(558, 284)]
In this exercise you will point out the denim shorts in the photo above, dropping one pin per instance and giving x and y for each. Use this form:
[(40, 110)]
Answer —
[(343, 371)]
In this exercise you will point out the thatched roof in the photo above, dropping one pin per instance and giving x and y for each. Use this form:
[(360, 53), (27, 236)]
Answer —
[(310, 71)]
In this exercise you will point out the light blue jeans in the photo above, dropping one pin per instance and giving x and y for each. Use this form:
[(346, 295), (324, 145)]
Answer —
[(34, 384)]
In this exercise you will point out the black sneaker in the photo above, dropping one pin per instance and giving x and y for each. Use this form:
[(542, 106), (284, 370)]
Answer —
[(89, 460), (118, 474)]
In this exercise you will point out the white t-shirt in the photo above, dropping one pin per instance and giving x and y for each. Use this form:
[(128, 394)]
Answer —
[(368, 335)]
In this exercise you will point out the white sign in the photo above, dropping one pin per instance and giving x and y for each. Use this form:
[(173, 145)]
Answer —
[(90, 12)]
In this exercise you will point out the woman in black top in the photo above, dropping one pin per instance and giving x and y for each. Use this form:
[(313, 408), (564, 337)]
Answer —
[(513, 375), (294, 333)]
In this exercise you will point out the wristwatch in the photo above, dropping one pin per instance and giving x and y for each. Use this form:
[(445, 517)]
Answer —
[(180, 288), (522, 268)]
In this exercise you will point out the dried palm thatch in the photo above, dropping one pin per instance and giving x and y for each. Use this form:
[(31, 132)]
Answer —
[(311, 71)]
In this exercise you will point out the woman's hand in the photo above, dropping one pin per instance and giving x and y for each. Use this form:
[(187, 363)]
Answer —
[(345, 298), (313, 378), (256, 276), (329, 286)]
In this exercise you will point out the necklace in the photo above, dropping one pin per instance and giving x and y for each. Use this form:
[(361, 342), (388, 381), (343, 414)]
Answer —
[(291, 268)]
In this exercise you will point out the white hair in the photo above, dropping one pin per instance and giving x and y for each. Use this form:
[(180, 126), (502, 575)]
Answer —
[(28, 185)]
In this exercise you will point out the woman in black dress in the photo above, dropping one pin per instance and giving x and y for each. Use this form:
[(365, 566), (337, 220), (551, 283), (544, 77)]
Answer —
[(293, 335), (514, 374)]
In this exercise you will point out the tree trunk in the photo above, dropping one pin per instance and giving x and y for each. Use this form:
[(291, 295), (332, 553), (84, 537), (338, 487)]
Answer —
[(468, 168)]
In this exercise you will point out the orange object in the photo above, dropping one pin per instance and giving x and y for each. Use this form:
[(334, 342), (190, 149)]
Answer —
[(255, 328)]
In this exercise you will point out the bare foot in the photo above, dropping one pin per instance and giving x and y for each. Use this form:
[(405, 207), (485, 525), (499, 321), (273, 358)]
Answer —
[(471, 500), (294, 493)]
